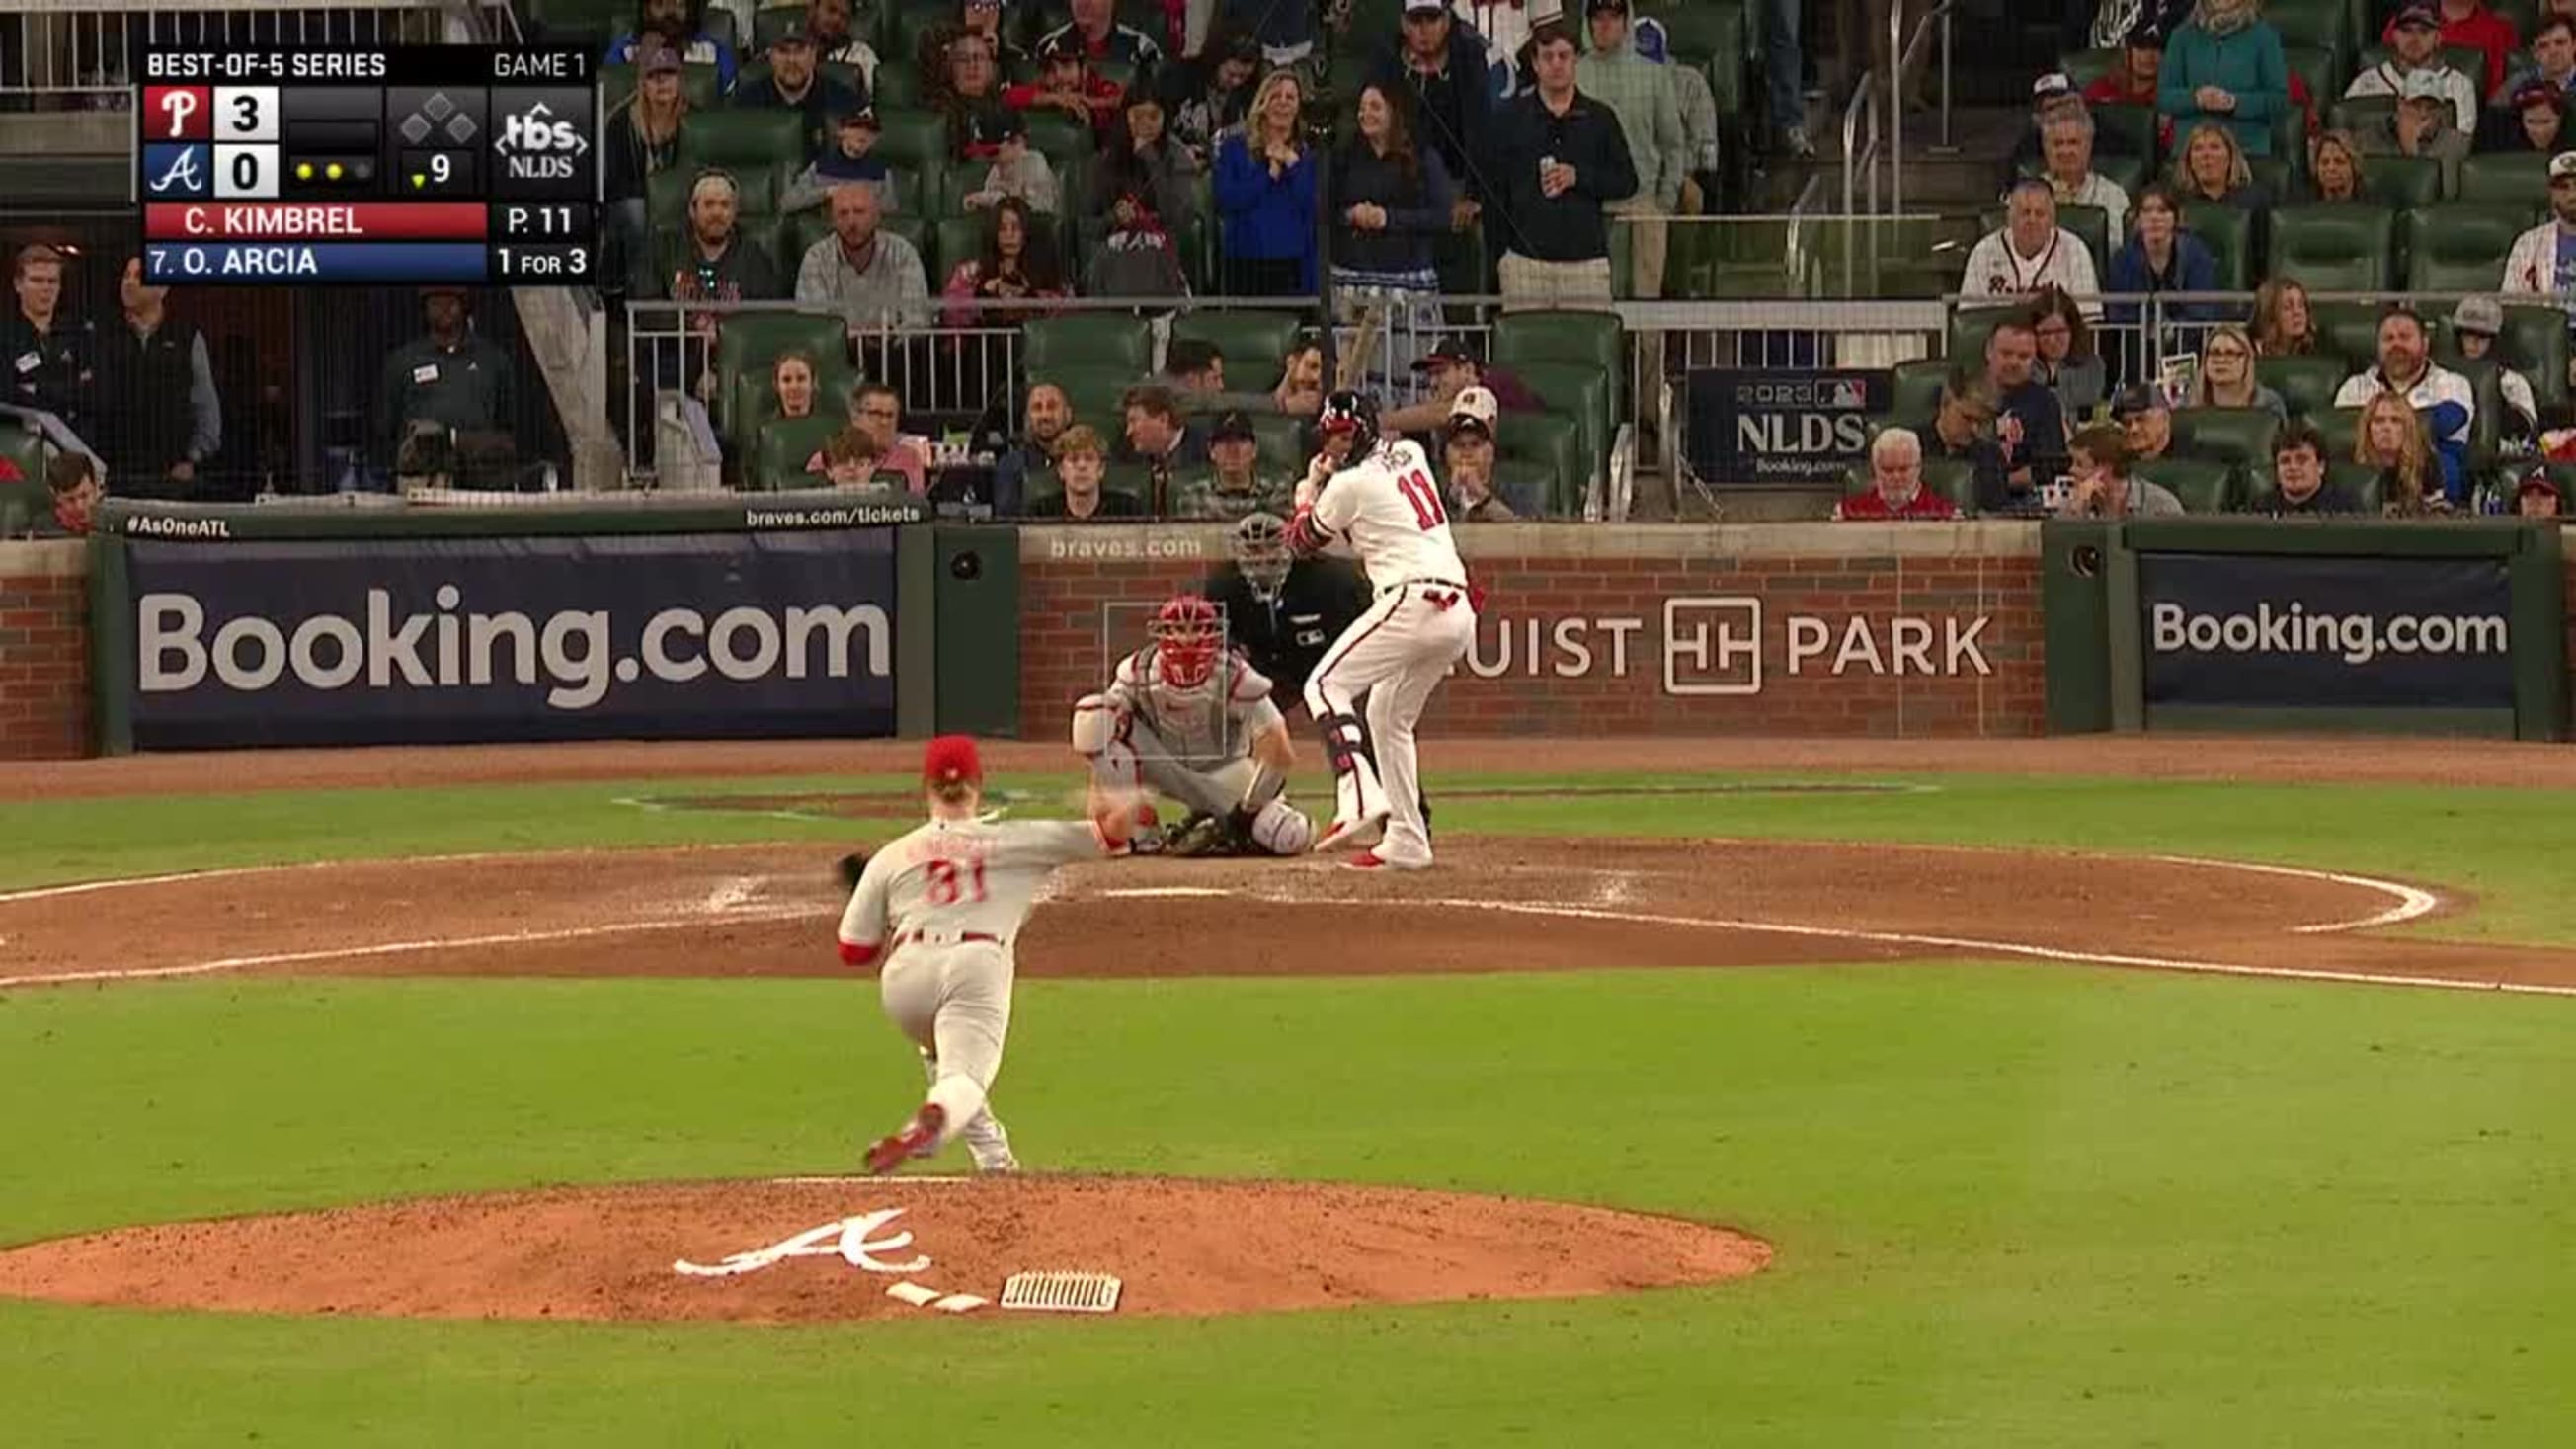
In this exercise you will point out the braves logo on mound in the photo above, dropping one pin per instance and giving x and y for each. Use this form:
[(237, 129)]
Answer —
[(852, 1240)]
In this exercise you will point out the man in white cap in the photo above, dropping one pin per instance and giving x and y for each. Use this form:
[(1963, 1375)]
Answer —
[(1467, 459), (2415, 46), (2067, 141), (2543, 259), (2420, 126), (2051, 96)]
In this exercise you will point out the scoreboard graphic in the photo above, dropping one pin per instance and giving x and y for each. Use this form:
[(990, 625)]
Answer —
[(402, 165)]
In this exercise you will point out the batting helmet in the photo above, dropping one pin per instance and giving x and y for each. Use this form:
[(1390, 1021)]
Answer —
[(1187, 635), (1351, 413)]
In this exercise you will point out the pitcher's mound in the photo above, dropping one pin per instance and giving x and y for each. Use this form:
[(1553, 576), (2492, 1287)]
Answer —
[(813, 1250)]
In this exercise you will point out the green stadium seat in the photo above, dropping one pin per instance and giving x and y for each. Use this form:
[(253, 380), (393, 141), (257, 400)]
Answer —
[(1059, 137), (2228, 232), (2349, 331), (2277, 175), (2320, 66), (2309, 22), (1549, 445), (1255, 343), (2361, 113), (953, 239), (751, 341), (2335, 248), (2461, 246), (2340, 427), (743, 139), (1969, 329), (666, 192), (1522, 340), (2306, 384), (1089, 339), (911, 137), (1096, 392), (781, 448), (2124, 133), (2237, 437), (1578, 392), (2402, 182), (1915, 393), (2535, 343), (2084, 67), (1696, 34), (2203, 486), (27, 500), (1281, 438), (752, 400), (2506, 178)]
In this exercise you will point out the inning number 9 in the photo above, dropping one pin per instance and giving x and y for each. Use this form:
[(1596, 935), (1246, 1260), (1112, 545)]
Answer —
[(441, 167)]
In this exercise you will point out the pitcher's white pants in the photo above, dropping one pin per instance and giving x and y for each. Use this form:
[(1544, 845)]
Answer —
[(954, 1003)]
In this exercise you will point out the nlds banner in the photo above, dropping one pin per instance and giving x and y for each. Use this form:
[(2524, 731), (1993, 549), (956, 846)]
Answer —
[(1781, 425), (418, 641)]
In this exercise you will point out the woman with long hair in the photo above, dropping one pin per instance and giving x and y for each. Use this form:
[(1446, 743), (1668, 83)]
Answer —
[(642, 138), (2284, 324), (2227, 374), (2160, 257), (2067, 362), (2212, 167), (1390, 199), (2391, 438), (791, 383), (1143, 157), (1265, 192), (970, 81), (1017, 264), (2334, 169)]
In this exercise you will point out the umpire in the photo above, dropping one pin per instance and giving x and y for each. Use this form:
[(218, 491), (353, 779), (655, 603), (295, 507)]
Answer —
[(1283, 611)]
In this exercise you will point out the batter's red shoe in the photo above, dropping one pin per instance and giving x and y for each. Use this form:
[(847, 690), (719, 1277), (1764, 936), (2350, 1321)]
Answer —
[(1371, 860), (1345, 834), (917, 1139)]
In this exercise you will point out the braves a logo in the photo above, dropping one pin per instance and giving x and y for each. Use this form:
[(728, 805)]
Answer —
[(852, 1240)]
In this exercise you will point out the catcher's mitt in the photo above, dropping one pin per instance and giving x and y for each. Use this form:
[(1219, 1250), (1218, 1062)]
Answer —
[(849, 868)]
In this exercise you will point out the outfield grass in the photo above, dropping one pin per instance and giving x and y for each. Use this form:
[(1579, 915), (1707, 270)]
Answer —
[(2013, 1204)]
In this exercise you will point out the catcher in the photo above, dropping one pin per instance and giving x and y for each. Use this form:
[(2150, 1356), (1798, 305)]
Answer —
[(1193, 722)]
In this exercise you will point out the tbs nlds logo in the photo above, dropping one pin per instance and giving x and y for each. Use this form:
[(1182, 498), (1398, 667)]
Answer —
[(537, 145)]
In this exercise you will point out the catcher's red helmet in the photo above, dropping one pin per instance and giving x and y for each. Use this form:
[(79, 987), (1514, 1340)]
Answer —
[(1187, 634)]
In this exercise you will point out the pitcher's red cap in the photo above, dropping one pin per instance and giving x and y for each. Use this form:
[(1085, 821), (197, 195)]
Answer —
[(951, 758)]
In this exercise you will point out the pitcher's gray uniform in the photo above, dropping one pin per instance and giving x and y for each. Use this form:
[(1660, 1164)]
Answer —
[(946, 901), (1187, 720)]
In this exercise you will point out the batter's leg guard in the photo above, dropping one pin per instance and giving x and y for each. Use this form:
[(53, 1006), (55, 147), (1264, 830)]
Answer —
[(1357, 798)]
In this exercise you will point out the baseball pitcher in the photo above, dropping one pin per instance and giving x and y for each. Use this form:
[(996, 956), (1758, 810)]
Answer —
[(942, 905), (1194, 722), (1378, 496)]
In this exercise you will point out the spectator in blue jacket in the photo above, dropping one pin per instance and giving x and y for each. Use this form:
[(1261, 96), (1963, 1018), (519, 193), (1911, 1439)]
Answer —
[(1265, 192), (681, 25), (2160, 257), (2226, 65)]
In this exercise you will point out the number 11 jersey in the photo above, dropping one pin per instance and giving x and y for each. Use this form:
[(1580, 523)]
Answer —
[(1388, 507)]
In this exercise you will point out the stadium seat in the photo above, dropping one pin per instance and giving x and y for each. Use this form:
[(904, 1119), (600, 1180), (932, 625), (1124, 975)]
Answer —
[(2486, 389), (1089, 339), (1549, 445), (1281, 438), (2339, 427), (2275, 174), (911, 137), (1095, 391), (2228, 232), (2084, 67), (953, 239), (2124, 133), (781, 448), (1969, 329), (740, 138), (750, 341), (752, 400), (666, 192), (1579, 393), (2203, 486), (2320, 66), (2461, 246), (2309, 22), (2348, 330), (2334, 248), (2306, 384), (2402, 182), (2236, 437), (1255, 343), (699, 83), (2535, 342), (2506, 177), (1915, 393), (1527, 342), (2361, 113), (1058, 137)]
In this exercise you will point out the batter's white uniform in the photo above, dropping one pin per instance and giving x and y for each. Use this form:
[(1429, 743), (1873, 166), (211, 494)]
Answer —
[(1386, 507), (947, 900)]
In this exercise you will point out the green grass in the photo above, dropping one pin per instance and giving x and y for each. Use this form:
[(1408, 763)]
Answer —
[(2013, 1205)]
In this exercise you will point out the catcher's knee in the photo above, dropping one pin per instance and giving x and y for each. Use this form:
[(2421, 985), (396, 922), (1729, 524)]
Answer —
[(1280, 828), (1097, 723)]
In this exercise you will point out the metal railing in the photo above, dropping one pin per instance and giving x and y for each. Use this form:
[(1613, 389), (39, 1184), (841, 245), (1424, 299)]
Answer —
[(1901, 51)]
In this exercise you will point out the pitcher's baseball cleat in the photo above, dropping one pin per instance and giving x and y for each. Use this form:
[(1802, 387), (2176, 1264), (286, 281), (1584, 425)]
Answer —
[(1367, 830), (916, 1139)]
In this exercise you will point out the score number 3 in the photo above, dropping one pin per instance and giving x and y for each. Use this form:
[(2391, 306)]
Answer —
[(1424, 495), (948, 885)]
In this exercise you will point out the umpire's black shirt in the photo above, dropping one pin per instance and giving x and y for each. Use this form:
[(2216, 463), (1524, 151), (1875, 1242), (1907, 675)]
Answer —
[(1286, 637), (1566, 227)]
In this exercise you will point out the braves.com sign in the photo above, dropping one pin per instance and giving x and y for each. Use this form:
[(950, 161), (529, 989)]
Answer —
[(661, 636), (1719, 645)]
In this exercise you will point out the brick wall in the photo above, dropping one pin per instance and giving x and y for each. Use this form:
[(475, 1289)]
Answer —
[(1780, 630), (44, 651)]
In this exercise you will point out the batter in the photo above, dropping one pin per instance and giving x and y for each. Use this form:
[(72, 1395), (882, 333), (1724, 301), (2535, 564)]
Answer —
[(942, 905), (1378, 496), (1195, 722)]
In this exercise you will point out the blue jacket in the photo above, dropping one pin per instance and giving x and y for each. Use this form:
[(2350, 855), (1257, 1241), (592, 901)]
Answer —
[(2247, 64), (1266, 217), (2192, 269)]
